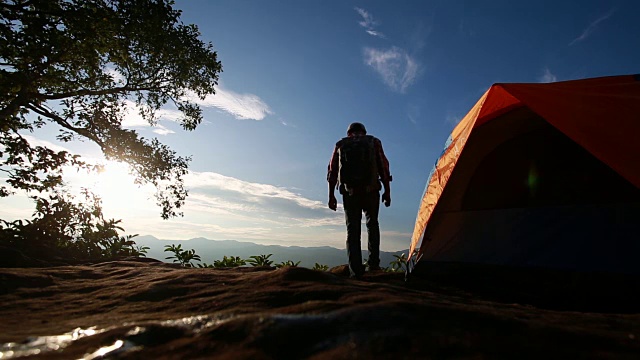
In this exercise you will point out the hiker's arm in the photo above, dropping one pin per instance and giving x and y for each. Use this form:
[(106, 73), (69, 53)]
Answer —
[(332, 178), (384, 173)]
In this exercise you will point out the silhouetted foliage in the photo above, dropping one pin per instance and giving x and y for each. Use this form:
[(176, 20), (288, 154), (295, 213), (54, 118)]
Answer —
[(65, 229), (399, 264), (260, 260), (320, 267), (78, 65), (115, 247), (182, 256), (231, 261), (288, 263)]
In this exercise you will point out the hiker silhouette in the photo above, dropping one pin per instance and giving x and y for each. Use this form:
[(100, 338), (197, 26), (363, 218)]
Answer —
[(359, 170)]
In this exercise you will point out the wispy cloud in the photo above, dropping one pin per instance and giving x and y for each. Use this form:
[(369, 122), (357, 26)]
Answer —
[(413, 113), (547, 76), (133, 119), (397, 69), (255, 190), (267, 204), (161, 130), (368, 23), (240, 106), (453, 118), (34, 141), (592, 27)]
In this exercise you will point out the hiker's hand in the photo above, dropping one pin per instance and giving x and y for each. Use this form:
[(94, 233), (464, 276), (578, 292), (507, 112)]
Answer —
[(386, 199), (333, 203)]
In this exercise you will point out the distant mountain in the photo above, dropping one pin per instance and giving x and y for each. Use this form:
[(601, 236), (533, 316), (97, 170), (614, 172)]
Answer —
[(210, 250)]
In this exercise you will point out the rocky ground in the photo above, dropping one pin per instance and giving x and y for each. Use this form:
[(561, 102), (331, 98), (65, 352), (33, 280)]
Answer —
[(152, 310)]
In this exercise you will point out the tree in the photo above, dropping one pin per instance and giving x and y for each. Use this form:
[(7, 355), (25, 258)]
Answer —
[(76, 64)]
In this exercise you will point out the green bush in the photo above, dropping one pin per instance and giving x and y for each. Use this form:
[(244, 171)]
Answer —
[(182, 256), (65, 228), (231, 261), (399, 264), (289, 263), (320, 267), (260, 260)]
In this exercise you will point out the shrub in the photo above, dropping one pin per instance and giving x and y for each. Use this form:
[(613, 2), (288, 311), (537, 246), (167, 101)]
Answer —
[(320, 267), (289, 263), (65, 228), (399, 264), (182, 256), (260, 260), (123, 246), (231, 261)]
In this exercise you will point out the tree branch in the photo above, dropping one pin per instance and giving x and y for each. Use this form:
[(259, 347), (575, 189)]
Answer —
[(21, 99), (62, 122), (85, 92)]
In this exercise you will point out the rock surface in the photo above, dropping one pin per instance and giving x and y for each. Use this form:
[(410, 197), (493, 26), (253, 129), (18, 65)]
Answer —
[(154, 310)]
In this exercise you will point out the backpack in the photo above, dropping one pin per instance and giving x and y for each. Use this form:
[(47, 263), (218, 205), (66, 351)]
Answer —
[(358, 167)]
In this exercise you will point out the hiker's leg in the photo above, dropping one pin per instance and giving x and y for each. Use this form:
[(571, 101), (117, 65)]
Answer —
[(371, 209), (353, 215)]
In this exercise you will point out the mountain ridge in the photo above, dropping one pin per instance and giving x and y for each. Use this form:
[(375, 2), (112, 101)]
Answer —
[(211, 250)]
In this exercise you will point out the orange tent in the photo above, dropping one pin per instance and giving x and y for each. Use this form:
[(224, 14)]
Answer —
[(541, 175)]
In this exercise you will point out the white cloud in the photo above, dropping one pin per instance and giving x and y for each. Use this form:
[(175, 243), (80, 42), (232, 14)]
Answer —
[(218, 204), (413, 113), (399, 234), (170, 115), (241, 106), (252, 190), (368, 23), (397, 69), (161, 130), (547, 77), (453, 119), (220, 195), (253, 210), (132, 118), (592, 27), (33, 141)]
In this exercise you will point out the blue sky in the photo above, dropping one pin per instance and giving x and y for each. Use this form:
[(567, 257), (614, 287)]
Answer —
[(296, 73)]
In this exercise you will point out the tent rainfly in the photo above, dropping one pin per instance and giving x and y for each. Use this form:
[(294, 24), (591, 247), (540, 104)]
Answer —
[(539, 175)]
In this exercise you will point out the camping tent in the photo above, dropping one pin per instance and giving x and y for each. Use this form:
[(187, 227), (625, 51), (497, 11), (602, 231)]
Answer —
[(539, 175)]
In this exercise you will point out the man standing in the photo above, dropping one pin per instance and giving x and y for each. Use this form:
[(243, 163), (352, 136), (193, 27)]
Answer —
[(358, 167)]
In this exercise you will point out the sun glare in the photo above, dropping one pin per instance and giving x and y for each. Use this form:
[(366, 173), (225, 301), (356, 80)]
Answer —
[(116, 187)]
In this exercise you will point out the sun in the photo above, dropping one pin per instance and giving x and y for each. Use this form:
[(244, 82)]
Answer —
[(117, 189)]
